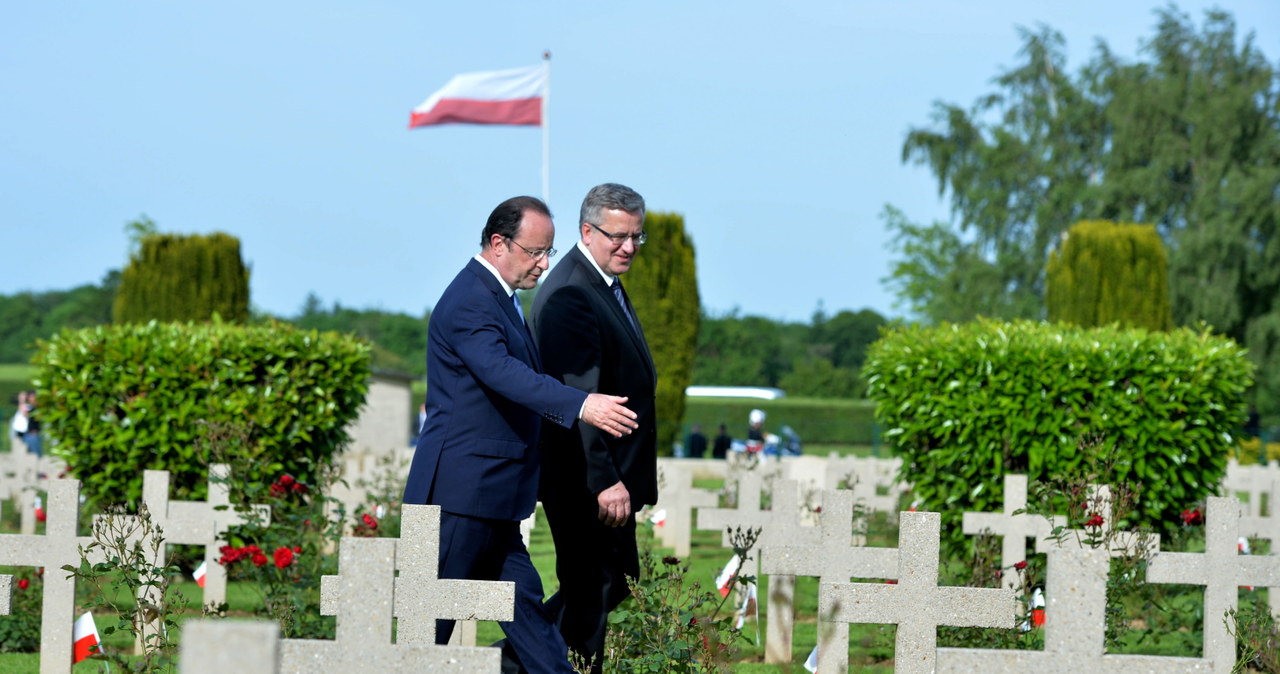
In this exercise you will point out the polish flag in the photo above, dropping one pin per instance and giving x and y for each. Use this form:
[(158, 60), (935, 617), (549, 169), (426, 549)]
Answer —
[(811, 662), (490, 97), (724, 581), (659, 517), (199, 573), (39, 507), (85, 635)]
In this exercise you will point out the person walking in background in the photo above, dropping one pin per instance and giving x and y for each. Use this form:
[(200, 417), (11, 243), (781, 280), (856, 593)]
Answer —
[(478, 454), (722, 443), (697, 442), (25, 425), (592, 483)]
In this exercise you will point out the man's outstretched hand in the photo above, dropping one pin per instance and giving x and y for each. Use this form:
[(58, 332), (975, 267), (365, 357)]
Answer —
[(608, 414)]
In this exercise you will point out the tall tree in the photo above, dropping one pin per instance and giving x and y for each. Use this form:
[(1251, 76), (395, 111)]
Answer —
[(1107, 272), (663, 283), (174, 277), (1186, 138)]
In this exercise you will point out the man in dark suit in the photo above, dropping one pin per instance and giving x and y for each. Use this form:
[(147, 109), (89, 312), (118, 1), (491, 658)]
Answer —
[(478, 453), (593, 483)]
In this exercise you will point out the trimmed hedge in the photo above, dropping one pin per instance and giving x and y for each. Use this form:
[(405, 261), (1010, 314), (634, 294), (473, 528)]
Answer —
[(964, 404), (816, 420), (121, 399)]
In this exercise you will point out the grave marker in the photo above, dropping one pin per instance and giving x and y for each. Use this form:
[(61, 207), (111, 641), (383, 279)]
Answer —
[(1014, 529)]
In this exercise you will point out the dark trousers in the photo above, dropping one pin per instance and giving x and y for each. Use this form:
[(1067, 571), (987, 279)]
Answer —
[(592, 564), (482, 549)]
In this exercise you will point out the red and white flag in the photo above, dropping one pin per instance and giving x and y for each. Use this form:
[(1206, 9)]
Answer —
[(490, 97), (199, 573), (724, 581), (85, 636), (659, 517)]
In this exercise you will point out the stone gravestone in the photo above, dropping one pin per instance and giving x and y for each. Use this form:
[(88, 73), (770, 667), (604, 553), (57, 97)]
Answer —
[(678, 497), (199, 522), (422, 597), (6, 595), (836, 558), (866, 476), (221, 646), (1254, 481), (364, 598), (1222, 570), (1015, 529), (1266, 528), (58, 546), (1075, 629), (916, 604), (780, 525)]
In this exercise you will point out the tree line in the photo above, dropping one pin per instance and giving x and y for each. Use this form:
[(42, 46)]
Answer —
[(818, 358)]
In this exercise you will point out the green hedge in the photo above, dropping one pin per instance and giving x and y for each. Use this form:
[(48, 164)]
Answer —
[(121, 399), (815, 420), (963, 404)]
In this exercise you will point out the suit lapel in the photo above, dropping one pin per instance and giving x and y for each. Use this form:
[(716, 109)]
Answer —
[(518, 335), (624, 325)]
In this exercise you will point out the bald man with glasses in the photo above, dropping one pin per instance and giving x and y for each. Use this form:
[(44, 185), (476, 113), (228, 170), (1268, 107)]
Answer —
[(593, 483)]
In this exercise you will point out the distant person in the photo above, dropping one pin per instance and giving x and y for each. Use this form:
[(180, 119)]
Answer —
[(25, 425), (1253, 425), (722, 443), (697, 442), (755, 430)]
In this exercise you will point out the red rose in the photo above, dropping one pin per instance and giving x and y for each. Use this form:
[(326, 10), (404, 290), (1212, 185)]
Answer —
[(283, 557), (369, 521), (259, 559), (285, 480), (278, 491), (1095, 520), (297, 549), (23, 583), (298, 488), (1020, 565), (1193, 517)]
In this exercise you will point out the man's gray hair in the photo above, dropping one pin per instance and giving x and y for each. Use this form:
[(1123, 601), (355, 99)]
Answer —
[(610, 195)]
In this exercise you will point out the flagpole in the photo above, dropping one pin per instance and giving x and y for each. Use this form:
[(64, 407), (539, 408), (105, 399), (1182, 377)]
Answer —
[(546, 130)]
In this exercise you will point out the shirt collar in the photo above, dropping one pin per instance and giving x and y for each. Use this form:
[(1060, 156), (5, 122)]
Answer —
[(494, 270), (586, 252)]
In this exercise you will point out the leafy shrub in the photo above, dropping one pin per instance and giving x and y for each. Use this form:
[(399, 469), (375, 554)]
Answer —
[(121, 399), (964, 404), (176, 277)]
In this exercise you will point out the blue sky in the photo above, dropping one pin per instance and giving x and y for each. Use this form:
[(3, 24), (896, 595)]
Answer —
[(775, 129)]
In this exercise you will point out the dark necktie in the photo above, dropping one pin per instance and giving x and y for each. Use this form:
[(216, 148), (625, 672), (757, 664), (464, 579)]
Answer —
[(622, 302), (519, 309)]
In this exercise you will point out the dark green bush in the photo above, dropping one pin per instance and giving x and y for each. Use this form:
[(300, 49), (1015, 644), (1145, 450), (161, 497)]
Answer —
[(121, 399), (964, 404), (815, 420), (177, 277)]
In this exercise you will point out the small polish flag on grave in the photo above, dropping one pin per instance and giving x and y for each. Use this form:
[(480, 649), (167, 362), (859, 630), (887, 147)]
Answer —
[(724, 581), (199, 573), (811, 662), (1037, 608), (749, 605), (85, 635), (1242, 547), (659, 517), (39, 509)]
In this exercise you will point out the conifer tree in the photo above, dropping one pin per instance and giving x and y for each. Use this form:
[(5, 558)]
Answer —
[(174, 277), (663, 284), (1107, 272)]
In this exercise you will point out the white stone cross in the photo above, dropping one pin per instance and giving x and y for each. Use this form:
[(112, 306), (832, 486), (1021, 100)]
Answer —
[(838, 557), (1254, 480), (679, 498), (916, 604), (869, 474), (58, 546), (199, 522), (1118, 543), (1266, 528), (1014, 529), (364, 597), (422, 597), (1222, 570), (1075, 629), (780, 525)]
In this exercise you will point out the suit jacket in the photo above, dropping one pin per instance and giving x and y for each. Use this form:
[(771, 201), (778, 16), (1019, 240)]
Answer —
[(478, 454), (587, 342)]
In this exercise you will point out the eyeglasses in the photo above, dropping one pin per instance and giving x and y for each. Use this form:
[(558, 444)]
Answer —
[(535, 254), (619, 239)]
